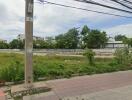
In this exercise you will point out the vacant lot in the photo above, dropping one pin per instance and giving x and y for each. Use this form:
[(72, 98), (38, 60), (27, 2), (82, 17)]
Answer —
[(53, 67)]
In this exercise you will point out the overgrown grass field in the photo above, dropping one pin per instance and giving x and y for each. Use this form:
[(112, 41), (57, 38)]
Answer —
[(53, 67)]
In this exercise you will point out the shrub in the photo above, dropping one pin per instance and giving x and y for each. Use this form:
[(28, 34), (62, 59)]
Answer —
[(130, 56), (38, 72), (90, 56), (53, 67), (12, 73), (122, 56)]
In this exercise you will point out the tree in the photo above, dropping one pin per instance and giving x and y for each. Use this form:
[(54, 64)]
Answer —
[(128, 41), (93, 38), (83, 38), (68, 40), (40, 44), (4, 45), (60, 41), (51, 42), (123, 56), (120, 37), (85, 30), (90, 56), (16, 44)]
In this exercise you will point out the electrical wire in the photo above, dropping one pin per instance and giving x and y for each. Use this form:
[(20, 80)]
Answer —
[(100, 12), (122, 4), (128, 1), (102, 5)]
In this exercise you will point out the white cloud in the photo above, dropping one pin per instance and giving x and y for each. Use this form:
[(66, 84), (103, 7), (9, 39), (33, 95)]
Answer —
[(49, 20), (120, 29)]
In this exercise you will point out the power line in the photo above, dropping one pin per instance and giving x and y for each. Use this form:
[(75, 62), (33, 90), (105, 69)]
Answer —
[(100, 12), (122, 4), (102, 5), (128, 1)]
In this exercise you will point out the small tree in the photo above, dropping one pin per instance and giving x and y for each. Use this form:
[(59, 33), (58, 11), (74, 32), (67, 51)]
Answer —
[(16, 44), (4, 45), (130, 57), (14, 72), (122, 56), (92, 38), (120, 37), (90, 56)]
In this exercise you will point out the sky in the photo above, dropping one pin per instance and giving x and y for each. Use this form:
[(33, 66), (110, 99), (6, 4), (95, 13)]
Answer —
[(51, 20)]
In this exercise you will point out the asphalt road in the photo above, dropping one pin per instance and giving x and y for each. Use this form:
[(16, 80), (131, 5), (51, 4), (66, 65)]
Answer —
[(91, 87)]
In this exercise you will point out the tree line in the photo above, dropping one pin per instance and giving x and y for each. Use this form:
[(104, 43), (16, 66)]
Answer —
[(72, 39), (124, 39)]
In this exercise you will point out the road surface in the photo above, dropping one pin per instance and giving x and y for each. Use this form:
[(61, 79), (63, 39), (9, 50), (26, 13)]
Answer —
[(95, 87)]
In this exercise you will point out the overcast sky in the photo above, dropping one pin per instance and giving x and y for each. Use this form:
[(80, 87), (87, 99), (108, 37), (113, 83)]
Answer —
[(51, 20)]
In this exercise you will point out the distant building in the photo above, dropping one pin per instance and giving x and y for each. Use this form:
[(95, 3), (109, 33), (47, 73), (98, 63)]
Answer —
[(22, 37), (4, 41), (115, 44)]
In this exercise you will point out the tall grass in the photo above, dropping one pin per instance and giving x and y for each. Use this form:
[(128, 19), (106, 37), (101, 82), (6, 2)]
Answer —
[(53, 67)]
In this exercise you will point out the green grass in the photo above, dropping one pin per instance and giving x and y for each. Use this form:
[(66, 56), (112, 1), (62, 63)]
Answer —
[(53, 67)]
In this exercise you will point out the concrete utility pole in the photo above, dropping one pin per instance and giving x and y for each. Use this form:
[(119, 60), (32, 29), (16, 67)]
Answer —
[(29, 43)]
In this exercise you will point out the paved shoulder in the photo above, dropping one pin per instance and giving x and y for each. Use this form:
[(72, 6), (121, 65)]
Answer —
[(2, 95), (123, 93), (90, 84), (86, 85)]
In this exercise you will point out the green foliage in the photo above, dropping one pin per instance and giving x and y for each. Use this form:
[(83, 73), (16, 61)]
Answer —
[(122, 56), (44, 44), (73, 39), (120, 37), (40, 44), (93, 38), (128, 41), (54, 67), (13, 72), (68, 40), (51, 42), (16, 44), (90, 56), (4, 45), (85, 30)]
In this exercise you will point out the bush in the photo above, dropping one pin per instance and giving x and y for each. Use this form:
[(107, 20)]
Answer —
[(130, 56), (90, 56), (12, 73), (122, 56), (54, 67)]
